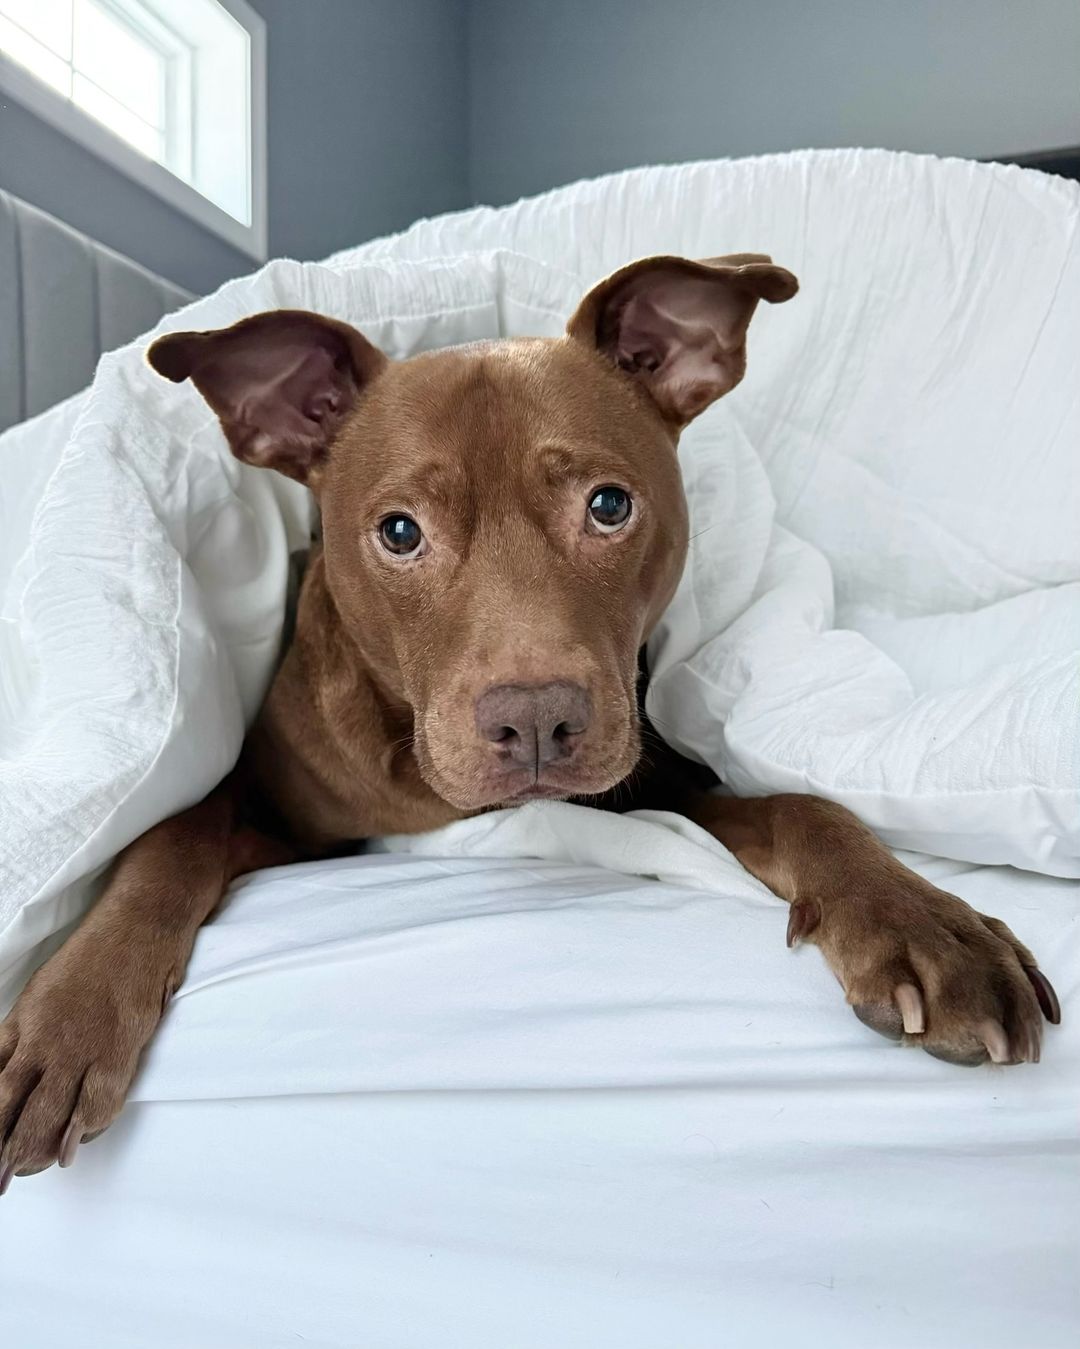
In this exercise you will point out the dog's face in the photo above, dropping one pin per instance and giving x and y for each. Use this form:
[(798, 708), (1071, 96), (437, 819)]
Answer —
[(513, 524), (503, 523)]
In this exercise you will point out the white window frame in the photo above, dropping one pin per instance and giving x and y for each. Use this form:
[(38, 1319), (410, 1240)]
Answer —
[(36, 96)]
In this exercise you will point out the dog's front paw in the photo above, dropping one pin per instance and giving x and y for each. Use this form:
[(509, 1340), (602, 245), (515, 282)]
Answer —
[(68, 1052), (920, 965)]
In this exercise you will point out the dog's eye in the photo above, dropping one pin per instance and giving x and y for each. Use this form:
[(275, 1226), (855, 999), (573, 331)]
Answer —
[(401, 535), (609, 508)]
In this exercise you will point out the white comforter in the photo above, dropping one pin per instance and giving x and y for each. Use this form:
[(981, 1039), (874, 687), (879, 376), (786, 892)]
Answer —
[(456, 1098)]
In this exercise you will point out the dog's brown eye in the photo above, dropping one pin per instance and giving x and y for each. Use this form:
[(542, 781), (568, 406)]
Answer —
[(610, 508), (401, 535)]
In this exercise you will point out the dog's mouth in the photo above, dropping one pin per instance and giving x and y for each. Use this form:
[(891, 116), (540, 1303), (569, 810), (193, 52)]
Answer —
[(538, 791), (493, 787), (568, 780)]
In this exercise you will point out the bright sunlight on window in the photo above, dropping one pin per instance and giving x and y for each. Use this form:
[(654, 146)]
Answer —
[(171, 80)]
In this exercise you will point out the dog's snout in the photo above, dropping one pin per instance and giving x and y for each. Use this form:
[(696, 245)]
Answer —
[(533, 724)]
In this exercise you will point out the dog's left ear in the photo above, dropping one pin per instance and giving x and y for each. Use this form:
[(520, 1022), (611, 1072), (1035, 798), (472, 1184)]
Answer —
[(679, 327), (282, 383)]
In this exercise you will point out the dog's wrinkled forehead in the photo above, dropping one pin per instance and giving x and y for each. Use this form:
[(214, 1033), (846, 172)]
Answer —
[(519, 382), (487, 411)]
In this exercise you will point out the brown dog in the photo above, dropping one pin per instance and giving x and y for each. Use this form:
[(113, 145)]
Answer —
[(503, 524)]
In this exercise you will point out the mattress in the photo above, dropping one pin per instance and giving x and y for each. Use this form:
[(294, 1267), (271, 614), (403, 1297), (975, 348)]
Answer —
[(406, 1102)]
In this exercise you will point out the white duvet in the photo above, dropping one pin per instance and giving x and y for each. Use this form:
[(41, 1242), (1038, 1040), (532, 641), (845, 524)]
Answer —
[(532, 1103)]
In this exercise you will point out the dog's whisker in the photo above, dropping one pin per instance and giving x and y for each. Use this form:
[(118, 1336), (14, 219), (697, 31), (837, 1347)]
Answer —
[(707, 530)]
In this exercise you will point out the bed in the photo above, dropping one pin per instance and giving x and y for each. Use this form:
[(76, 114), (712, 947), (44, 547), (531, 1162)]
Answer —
[(452, 1097), (64, 299)]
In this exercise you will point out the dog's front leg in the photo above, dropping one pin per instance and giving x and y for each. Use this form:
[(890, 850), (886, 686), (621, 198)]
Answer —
[(70, 1046), (915, 962)]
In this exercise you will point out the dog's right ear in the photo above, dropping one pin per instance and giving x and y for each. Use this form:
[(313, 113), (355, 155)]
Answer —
[(281, 383), (678, 327)]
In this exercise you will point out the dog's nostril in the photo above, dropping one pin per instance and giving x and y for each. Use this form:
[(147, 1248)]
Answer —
[(533, 724)]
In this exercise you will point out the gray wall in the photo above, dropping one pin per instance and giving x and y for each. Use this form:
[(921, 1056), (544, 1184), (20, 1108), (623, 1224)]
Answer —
[(367, 131), (384, 110), (368, 118), (570, 88)]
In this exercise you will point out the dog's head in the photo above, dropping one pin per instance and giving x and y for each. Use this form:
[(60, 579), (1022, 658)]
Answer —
[(503, 523)]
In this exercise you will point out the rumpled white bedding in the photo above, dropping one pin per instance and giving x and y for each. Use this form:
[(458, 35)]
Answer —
[(455, 1098), (906, 439), (442, 1103)]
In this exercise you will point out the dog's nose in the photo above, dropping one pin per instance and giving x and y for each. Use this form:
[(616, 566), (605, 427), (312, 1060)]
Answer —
[(534, 724)]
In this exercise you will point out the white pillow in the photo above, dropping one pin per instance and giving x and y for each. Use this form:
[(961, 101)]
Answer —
[(140, 624)]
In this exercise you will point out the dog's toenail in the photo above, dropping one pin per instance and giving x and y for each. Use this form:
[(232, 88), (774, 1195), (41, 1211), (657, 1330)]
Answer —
[(909, 1000), (69, 1144), (995, 1040), (803, 918), (1044, 991)]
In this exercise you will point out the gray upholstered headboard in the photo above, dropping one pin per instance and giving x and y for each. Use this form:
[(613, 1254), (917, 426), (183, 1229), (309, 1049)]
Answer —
[(64, 299)]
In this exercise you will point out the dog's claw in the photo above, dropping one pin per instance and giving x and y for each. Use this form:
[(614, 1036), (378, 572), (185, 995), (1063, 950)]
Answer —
[(69, 1145), (1044, 991), (5, 1177), (996, 1041), (909, 1000), (804, 917)]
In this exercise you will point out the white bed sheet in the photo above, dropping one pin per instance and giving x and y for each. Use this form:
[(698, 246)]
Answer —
[(412, 1103)]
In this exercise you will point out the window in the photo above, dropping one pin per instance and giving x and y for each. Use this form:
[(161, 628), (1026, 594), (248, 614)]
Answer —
[(172, 93)]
